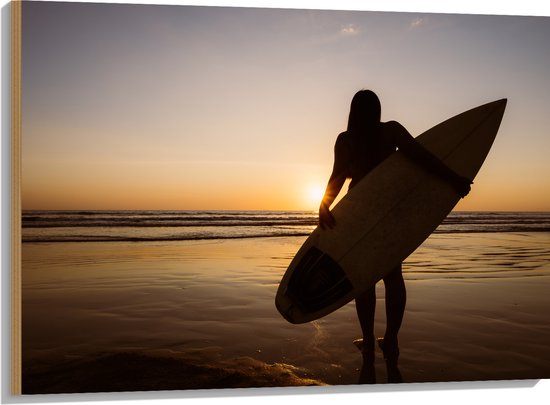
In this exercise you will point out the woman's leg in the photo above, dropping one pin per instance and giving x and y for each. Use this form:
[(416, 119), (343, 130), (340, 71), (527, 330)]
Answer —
[(396, 298), (365, 305)]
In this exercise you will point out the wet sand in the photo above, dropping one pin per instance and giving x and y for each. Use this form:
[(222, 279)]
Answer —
[(110, 317)]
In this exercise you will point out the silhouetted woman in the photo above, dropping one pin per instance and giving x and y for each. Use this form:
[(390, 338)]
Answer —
[(365, 144)]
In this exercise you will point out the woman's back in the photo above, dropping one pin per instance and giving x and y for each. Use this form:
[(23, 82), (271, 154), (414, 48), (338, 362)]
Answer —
[(362, 152)]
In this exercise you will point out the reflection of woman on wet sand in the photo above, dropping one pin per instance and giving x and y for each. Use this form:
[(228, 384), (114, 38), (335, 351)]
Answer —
[(365, 144)]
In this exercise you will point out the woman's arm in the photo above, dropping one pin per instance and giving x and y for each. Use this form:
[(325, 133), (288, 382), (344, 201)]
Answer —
[(408, 145), (335, 183)]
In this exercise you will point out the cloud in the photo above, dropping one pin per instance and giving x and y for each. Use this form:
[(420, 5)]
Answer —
[(349, 30), (418, 22)]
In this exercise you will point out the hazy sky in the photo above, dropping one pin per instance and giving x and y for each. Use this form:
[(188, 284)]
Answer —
[(181, 107)]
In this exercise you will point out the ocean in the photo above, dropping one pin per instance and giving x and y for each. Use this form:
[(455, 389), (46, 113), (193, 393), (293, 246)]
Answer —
[(163, 300), (151, 226)]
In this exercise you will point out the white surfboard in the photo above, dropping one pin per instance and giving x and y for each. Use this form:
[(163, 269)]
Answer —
[(384, 218)]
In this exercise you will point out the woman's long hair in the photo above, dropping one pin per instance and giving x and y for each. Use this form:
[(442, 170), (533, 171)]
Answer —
[(365, 111)]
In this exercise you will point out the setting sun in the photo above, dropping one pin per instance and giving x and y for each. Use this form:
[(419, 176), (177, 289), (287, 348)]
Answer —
[(314, 194)]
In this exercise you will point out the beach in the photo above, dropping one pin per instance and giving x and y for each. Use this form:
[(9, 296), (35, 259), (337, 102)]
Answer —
[(199, 314)]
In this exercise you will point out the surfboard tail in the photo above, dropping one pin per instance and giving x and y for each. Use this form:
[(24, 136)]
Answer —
[(317, 281)]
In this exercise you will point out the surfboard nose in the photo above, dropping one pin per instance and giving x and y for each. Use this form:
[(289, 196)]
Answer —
[(494, 108), (500, 105)]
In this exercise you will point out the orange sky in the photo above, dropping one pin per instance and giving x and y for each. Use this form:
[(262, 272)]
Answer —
[(215, 108)]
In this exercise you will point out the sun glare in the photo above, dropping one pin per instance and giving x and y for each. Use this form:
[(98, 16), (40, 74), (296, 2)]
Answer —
[(314, 195)]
